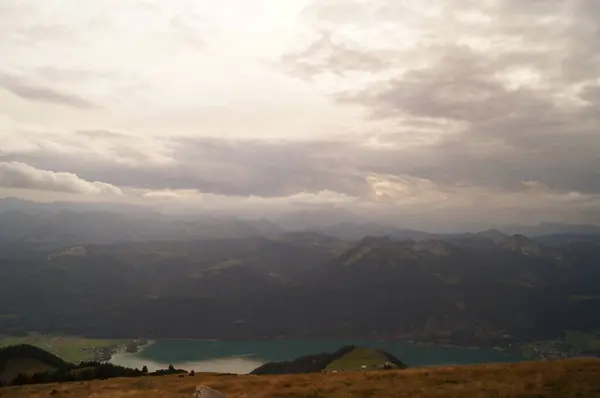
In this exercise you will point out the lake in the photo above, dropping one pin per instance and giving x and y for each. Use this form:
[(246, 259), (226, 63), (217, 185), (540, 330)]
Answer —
[(244, 356)]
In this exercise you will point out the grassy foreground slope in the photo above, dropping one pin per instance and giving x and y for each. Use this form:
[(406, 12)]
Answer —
[(552, 379)]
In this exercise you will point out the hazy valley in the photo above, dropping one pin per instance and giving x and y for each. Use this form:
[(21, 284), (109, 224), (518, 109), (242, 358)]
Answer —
[(118, 273)]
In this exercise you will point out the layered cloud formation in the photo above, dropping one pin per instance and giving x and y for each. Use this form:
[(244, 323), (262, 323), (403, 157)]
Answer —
[(435, 111)]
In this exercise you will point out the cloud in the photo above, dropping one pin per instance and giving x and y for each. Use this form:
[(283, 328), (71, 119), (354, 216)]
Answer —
[(242, 167), (34, 92), (325, 55), (21, 175), (101, 134), (190, 28), (241, 175), (161, 195), (431, 110), (507, 91), (94, 147)]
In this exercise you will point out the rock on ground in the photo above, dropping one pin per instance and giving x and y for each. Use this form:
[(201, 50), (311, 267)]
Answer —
[(207, 392)]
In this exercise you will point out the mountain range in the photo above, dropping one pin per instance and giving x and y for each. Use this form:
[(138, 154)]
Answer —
[(60, 224), (110, 274)]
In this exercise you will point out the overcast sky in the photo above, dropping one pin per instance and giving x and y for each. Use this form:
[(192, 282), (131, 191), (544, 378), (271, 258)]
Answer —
[(434, 111)]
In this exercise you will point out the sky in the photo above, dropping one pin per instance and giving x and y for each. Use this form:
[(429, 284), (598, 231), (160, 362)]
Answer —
[(430, 112)]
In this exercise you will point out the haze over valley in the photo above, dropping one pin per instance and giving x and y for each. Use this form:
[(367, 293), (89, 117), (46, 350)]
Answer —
[(128, 272)]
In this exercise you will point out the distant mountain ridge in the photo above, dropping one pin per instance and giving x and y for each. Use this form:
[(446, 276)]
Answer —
[(354, 231), (66, 227), (64, 223), (219, 277), (545, 229), (15, 204)]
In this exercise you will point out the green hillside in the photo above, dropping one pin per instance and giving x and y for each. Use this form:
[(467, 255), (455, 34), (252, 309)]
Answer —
[(348, 358), (363, 358), (25, 364), (27, 360), (72, 349)]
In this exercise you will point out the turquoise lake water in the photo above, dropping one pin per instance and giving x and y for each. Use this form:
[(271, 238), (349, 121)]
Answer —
[(243, 357)]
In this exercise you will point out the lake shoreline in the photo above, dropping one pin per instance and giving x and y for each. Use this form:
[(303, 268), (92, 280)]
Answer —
[(134, 346), (225, 356), (420, 343)]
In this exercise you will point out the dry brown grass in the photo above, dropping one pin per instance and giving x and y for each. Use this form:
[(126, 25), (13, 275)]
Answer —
[(555, 379)]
